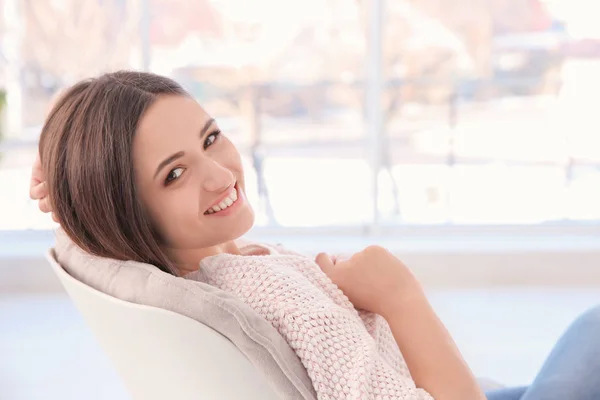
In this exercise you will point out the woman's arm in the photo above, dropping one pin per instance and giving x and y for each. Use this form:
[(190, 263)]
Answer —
[(434, 361), (375, 280), (338, 353)]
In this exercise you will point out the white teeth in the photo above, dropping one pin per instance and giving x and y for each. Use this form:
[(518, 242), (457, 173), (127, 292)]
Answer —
[(228, 201)]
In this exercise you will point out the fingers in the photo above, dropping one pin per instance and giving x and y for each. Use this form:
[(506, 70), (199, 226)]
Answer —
[(45, 205), (38, 188), (39, 191), (37, 172), (340, 258), (324, 261)]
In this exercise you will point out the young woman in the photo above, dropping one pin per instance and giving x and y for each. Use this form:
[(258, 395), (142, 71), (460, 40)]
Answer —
[(133, 168)]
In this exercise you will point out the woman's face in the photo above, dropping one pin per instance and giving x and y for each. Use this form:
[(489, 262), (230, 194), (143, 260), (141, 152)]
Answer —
[(189, 176)]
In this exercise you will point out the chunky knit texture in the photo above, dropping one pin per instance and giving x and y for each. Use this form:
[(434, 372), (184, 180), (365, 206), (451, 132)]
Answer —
[(348, 354)]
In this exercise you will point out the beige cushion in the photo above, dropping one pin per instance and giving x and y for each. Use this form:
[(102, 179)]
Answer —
[(145, 284)]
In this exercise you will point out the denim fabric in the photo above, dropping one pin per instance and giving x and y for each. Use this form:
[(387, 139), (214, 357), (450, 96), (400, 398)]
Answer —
[(572, 370)]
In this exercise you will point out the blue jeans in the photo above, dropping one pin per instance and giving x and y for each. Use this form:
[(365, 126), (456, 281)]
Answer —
[(572, 370)]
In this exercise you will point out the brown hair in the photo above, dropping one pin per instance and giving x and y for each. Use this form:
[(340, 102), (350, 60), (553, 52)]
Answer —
[(86, 153)]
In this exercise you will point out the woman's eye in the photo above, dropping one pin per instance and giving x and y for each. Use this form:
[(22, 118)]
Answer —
[(210, 139), (173, 175)]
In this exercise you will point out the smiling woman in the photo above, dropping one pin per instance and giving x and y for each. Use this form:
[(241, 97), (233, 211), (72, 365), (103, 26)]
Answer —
[(161, 171), (166, 187), (200, 170), (137, 170)]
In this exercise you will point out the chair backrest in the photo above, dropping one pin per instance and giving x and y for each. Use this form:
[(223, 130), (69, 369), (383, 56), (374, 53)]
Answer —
[(161, 354)]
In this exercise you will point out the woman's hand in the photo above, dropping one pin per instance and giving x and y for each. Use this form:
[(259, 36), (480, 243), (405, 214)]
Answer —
[(38, 188), (373, 279)]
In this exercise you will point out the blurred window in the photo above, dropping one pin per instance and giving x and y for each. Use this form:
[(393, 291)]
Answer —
[(489, 107)]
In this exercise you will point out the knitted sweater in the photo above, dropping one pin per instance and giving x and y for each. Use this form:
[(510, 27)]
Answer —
[(348, 354)]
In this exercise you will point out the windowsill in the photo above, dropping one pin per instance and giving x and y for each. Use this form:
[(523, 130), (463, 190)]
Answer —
[(558, 254), (557, 237)]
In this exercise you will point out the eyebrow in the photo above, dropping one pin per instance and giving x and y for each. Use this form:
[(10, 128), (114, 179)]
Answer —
[(168, 161), (206, 126), (180, 154)]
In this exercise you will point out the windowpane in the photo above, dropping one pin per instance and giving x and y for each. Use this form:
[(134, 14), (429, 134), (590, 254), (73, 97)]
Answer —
[(489, 110), (285, 85), (290, 96), (583, 194)]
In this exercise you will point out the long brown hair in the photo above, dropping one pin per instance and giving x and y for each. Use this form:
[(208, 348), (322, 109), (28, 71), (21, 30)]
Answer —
[(86, 153)]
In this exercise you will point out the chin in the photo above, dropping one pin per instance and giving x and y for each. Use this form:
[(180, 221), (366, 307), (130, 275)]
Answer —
[(244, 223)]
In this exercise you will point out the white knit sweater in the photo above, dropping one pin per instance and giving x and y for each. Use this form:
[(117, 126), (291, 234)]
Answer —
[(348, 354)]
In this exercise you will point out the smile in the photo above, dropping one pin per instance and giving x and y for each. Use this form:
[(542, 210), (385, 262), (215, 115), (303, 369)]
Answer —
[(226, 203)]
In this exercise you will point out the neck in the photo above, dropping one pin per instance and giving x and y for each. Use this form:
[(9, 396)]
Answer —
[(188, 260)]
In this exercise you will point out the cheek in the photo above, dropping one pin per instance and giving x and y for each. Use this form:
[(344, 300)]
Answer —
[(175, 215), (231, 159), (181, 209)]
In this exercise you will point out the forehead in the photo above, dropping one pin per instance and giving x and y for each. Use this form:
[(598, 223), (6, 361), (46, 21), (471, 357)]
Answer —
[(166, 126), (171, 116)]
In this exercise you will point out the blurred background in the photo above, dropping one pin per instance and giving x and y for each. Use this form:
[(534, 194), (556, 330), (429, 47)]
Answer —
[(463, 135)]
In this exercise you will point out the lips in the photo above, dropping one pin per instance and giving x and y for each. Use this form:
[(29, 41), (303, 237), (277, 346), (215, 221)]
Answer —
[(224, 203)]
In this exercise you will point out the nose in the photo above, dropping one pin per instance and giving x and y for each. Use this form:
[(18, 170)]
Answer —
[(216, 177)]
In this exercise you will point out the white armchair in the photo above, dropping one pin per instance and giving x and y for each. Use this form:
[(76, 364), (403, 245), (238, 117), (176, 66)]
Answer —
[(160, 354)]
